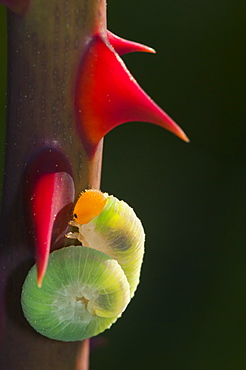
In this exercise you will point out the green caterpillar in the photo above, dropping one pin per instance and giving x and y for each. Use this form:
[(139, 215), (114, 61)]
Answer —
[(86, 288)]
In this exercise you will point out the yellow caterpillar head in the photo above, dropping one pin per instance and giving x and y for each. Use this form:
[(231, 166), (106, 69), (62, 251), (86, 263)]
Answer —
[(89, 205)]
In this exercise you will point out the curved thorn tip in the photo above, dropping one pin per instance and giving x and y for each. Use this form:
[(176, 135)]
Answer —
[(51, 193), (123, 46)]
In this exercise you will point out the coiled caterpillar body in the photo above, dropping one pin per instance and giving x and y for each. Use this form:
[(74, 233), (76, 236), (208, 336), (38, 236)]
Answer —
[(86, 288), (116, 231)]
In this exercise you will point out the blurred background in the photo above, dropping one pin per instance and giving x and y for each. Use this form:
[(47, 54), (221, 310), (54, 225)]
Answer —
[(189, 311)]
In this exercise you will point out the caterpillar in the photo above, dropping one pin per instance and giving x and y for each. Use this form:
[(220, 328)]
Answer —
[(87, 287)]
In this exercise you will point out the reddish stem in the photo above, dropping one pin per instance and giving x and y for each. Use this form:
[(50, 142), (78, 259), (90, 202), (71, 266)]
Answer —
[(44, 50), (83, 356)]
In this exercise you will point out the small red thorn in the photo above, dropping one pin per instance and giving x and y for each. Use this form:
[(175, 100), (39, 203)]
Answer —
[(123, 46), (107, 95), (51, 193), (17, 6)]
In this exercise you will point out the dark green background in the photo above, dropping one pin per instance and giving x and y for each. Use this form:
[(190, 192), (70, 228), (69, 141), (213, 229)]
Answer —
[(189, 312)]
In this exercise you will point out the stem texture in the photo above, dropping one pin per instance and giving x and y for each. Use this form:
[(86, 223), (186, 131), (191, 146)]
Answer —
[(45, 47)]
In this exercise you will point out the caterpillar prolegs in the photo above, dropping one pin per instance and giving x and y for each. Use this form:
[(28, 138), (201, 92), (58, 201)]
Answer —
[(86, 288)]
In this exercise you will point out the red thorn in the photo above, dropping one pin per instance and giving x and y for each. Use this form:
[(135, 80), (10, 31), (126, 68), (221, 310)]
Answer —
[(51, 193), (107, 95), (123, 46), (17, 6)]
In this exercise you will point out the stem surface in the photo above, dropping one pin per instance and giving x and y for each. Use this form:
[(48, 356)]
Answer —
[(45, 47)]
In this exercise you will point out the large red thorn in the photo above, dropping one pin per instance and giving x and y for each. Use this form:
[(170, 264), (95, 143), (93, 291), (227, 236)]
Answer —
[(17, 6), (107, 95)]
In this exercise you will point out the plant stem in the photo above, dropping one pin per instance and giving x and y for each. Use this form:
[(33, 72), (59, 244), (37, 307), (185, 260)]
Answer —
[(45, 47), (83, 356)]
